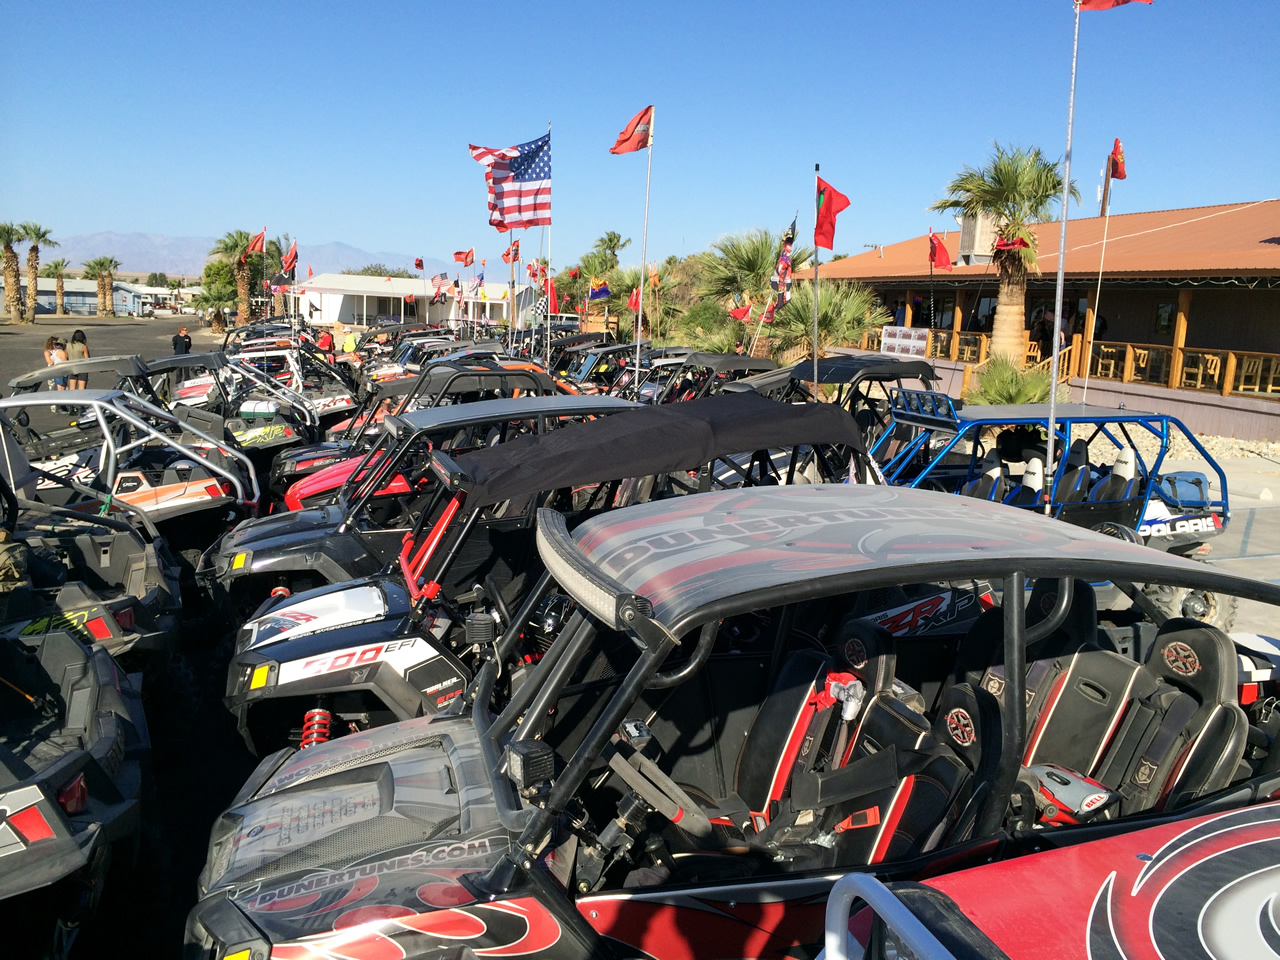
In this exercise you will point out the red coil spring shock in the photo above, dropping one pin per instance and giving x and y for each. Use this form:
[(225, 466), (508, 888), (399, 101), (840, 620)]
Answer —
[(315, 727)]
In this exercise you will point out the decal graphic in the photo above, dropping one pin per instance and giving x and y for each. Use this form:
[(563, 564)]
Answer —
[(960, 727), (73, 623), (1182, 659), (855, 652), (401, 654), (507, 928), (1209, 894)]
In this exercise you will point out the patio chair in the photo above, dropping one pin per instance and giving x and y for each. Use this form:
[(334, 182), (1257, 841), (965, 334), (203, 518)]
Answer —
[(1106, 363), (1196, 368), (1250, 375)]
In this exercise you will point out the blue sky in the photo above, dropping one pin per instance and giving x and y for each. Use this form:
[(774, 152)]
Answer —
[(342, 121)]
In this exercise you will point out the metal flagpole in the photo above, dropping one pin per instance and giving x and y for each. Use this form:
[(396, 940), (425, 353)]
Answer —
[(816, 258), (546, 284), (644, 239), (1062, 264), (1087, 339)]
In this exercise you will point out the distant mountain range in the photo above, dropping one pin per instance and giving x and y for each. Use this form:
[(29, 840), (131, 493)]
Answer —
[(186, 256)]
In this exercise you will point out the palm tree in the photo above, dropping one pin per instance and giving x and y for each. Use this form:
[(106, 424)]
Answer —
[(57, 269), (845, 310), (233, 248), (217, 298), (9, 235), (35, 235), (103, 269), (175, 288), (737, 268), (608, 247), (1016, 189)]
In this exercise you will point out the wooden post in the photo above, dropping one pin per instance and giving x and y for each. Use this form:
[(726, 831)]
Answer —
[(907, 309), (862, 344), (966, 380), (928, 344), (955, 344), (1074, 365), (1179, 339), (1127, 376), (984, 342), (957, 318), (1229, 373), (1086, 345)]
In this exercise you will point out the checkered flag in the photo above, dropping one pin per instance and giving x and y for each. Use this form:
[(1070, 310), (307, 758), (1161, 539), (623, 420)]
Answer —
[(540, 308)]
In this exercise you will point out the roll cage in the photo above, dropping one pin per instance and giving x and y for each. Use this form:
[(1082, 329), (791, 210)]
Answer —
[(935, 457)]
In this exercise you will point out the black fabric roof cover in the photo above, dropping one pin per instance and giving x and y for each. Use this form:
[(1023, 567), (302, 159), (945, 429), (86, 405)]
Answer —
[(470, 380), (720, 362), (848, 367), (648, 441), (182, 361)]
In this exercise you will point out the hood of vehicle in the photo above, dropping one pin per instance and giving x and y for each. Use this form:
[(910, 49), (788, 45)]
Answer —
[(325, 609), (363, 837), (282, 529), (313, 456)]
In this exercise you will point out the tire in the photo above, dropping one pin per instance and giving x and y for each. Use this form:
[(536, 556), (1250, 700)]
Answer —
[(1216, 609)]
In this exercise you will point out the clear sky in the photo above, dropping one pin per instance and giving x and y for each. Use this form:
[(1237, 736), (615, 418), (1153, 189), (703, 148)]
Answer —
[(350, 121)]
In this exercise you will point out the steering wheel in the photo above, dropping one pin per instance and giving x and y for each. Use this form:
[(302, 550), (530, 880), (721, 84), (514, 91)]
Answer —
[(661, 792)]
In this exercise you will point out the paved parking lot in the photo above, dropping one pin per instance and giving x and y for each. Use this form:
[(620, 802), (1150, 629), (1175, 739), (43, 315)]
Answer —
[(22, 346)]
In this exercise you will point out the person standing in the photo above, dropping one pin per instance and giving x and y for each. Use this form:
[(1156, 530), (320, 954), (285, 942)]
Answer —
[(78, 350), (181, 342), (55, 352)]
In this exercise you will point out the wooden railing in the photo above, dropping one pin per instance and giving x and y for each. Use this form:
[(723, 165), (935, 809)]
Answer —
[(1066, 362), (1130, 362)]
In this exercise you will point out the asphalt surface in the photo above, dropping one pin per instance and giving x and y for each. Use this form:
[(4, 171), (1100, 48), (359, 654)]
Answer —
[(22, 346)]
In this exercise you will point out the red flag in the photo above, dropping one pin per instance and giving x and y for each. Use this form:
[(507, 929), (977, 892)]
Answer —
[(550, 288), (938, 255), (1105, 4), (830, 202), (257, 244), (767, 316), (1017, 243), (465, 257), (513, 252), (1117, 162), (633, 301), (564, 301), (637, 134), (574, 273), (291, 258), (309, 273), (417, 263), (742, 313), (409, 298)]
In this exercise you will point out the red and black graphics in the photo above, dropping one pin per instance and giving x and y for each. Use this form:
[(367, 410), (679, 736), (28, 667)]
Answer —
[(719, 923), (1211, 892), (1199, 889)]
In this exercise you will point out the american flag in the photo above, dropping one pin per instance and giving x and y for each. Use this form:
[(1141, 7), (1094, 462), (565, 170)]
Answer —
[(519, 180), (439, 280)]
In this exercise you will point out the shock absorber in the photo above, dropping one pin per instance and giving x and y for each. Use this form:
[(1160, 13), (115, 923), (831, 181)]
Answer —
[(315, 726)]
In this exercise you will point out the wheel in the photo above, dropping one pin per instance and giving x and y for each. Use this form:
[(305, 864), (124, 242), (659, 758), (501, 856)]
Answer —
[(1216, 609)]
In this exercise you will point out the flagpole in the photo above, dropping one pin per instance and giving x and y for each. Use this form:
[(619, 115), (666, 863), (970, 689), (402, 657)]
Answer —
[(1062, 264), (644, 238), (1087, 339), (546, 284), (816, 258)]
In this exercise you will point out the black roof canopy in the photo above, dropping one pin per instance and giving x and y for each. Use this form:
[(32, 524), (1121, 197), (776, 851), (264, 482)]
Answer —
[(650, 440), (717, 554), (184, 361), (724, 362), (485, 411)]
